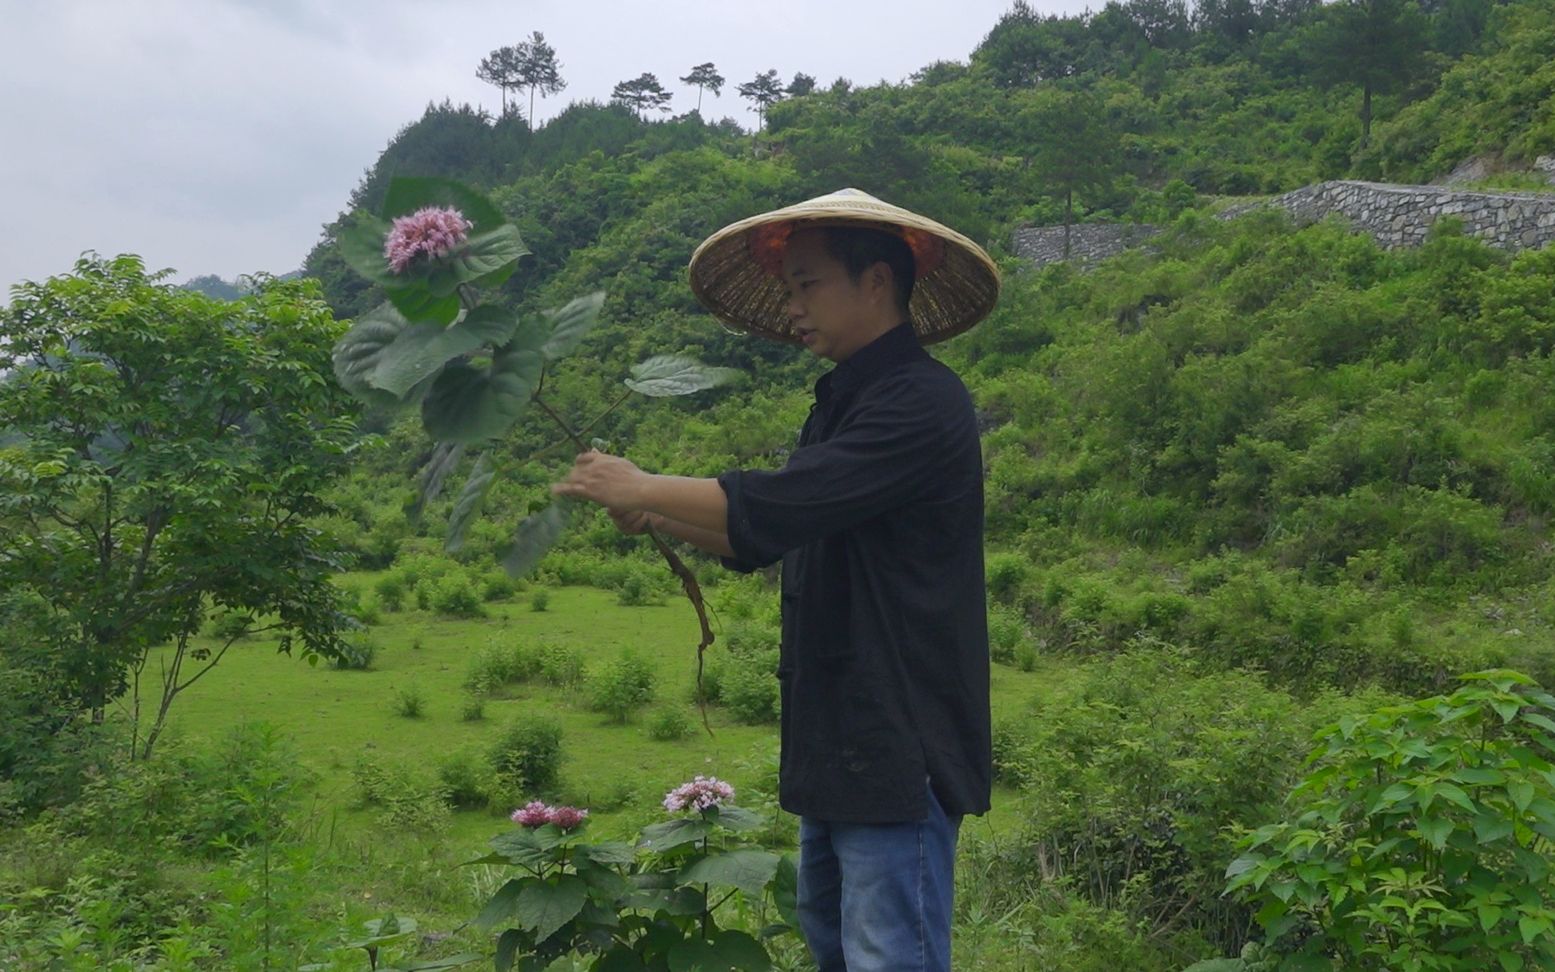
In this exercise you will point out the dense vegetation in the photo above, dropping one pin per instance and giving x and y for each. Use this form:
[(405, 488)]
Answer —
[(1253, 481)]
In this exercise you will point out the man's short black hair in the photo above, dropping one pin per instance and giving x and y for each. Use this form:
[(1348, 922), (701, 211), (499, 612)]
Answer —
[(858, 248)]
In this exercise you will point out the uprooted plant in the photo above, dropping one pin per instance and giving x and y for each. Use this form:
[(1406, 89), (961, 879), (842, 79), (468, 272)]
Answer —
[(472, 365)]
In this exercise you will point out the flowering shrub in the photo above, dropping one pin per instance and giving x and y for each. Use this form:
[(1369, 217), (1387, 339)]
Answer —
[(700, 794), (653, 904)]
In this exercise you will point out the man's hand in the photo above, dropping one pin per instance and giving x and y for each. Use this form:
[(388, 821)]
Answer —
[(608, 480), (631, 522)]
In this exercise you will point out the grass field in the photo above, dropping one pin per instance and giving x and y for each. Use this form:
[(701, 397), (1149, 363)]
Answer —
[(334, 716)]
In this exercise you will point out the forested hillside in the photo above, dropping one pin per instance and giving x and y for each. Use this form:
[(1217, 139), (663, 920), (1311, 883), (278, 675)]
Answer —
[(1259, 496)]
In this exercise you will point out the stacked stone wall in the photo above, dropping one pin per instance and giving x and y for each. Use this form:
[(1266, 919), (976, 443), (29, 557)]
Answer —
[(1393, 215)]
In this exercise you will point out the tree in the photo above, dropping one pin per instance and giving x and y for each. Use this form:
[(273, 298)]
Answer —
[(764, 91), (535, 67), (641, 93), (165, 452), (1075, 147), (1375, 44), (500, 68), (704, 76), (802, 85)]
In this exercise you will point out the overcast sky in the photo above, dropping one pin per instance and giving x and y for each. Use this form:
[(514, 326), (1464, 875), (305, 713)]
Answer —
[(218, 136)]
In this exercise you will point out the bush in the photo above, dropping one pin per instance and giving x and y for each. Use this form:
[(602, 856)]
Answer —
[(465, 781), (1419, 839), (1007, 632), (391, 591), (455, 595), (526, 756), (540, 599), (669, 723), (358, 653), (473, 709), (625, 686), (748, 688), (496, 585), (231, 626), (560, 666), (638, 588), (410, 702), (404, 801), (1137, 772)]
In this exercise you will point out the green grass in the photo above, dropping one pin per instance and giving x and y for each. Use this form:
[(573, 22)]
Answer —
[(334, 716)]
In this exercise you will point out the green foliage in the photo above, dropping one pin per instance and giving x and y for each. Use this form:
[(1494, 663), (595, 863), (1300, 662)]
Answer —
[(635, 905), (358, 653), (455, 594), (199, 434), (1420, 838), (670, 723), (390, 589), (410, 702), (526, 756), (623, 687), (466, 779), (540, 599), (1136, 772), (560, 665)]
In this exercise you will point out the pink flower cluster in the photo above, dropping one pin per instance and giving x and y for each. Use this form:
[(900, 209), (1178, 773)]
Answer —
[(431, 230), (537, 814), (699, 794)]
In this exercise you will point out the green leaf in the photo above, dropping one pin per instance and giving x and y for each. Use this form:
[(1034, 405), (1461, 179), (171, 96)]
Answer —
[(1489, 915), (501, 905), (737, 819), (537, 534), (661, 837), (1436, 830), (359, 352), (423, 306), (610, 852), (670, 375), (361, 246), (1454, 795), (468, 506), (420, 350), (1510, 961), (440, 465), (619, 959), (471, 405), (451, 962), (486, 260), (519, 847), (785, 889), (406, 194), (728, 950), (1521, 793), (748, 870), (570, 324), (1490, 827), (544, 907), (507, 948)]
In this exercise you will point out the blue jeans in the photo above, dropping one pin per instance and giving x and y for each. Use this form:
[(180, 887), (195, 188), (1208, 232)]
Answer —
[(877, 897)]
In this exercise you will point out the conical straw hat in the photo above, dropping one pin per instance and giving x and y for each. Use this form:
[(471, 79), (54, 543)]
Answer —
[(737, 272)]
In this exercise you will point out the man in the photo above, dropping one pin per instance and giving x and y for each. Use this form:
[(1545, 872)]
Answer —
[(877, 518)]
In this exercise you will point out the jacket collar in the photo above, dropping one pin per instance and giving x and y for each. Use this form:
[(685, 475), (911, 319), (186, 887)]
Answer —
[(880, 356)]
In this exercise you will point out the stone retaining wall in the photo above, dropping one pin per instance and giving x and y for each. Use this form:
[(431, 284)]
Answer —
[(1393, 215)]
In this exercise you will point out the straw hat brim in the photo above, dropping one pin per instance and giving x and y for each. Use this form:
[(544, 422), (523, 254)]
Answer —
[(732, 273)]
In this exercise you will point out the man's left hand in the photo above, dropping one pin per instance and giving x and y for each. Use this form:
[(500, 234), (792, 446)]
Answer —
[(604, 479)]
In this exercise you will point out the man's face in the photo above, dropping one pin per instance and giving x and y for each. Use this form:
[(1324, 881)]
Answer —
[(829, 310)]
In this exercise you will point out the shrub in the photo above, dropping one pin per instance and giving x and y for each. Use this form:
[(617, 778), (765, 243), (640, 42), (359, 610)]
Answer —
[(455, 595), (367, 610), (540, 599), (391, 591), (404, 801), (1006, 634), (1420, 837), (410, 702), (358, 653), (560, 666), (473, 709), (1006, 574), (625, 686), (526, 756), (231, 626), (638, 588), (748, 688), (1137, 771), (496, 585), (670, 723), (465, 781)]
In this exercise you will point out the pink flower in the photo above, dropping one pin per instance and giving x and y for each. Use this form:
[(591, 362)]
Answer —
[(568, 817), (532, 814), (431, 230), (699, 794), (537, 814)]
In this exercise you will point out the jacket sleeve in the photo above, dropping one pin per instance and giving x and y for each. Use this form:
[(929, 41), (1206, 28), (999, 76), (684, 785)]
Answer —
[(890, 450)]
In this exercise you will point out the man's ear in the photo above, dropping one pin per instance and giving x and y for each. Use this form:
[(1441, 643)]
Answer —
[(881, 286)]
